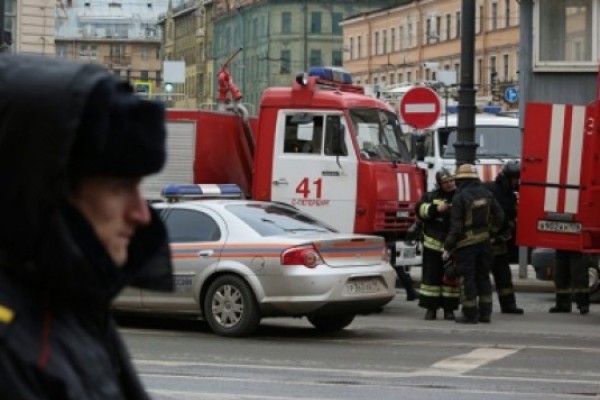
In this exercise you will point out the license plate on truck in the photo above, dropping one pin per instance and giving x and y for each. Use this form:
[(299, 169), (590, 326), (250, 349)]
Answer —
[(558, 226), (364, 285)]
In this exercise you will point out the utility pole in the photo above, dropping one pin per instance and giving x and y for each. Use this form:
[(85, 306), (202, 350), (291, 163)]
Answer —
[(465, 145)]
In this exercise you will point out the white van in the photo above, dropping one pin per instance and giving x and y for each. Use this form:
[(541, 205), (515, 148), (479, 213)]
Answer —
[(498, 137)]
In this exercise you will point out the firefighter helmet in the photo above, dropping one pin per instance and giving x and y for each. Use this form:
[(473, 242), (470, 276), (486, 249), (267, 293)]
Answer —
[(512, 169), (466, 171), (443, 175)]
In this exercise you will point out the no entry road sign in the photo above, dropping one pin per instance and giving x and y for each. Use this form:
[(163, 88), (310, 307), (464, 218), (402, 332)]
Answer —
[(420, 107)]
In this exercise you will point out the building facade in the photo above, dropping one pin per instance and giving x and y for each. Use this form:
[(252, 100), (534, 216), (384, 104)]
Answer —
[(31, 25), (187, 37), (280, 38), (122, 36), (407, 44)]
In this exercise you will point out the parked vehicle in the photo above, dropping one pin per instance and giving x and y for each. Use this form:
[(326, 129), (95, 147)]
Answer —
[(321, 145), (498, 138), (238, 261), (559, 196)]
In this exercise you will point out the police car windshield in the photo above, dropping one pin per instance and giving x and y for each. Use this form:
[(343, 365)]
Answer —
[(493, 141), (270, 219), (379, 135)]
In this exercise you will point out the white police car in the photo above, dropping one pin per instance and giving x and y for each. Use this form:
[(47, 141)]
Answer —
[(237, 261)]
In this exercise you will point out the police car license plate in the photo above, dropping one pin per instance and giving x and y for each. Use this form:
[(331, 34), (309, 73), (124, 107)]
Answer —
[(559, 226), (359, 286)]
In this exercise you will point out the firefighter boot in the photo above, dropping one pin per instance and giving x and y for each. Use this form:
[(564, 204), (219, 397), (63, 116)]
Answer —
[(563, 303), (430, 314), (449, 315), (512, 309), (583, 302), (469, 316)]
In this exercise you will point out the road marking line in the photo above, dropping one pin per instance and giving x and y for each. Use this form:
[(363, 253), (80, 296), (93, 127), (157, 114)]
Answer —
[(464, 363)]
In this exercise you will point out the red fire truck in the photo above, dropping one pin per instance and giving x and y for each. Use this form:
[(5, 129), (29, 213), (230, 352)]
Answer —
[(559, 198), (321, 145)]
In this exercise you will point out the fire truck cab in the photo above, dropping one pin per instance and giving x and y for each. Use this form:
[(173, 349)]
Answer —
[(498, 139), (320, 145)]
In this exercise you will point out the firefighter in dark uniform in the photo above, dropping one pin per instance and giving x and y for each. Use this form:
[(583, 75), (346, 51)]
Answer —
[(503, 188), (475, 217), (571, 282), (434, 211)]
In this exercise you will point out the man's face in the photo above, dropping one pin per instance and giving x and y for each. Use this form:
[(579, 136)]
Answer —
[(448, 185), (115, 208)]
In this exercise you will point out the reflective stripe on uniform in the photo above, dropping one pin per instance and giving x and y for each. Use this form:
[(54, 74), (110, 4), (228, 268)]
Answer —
[(433, 244), (450, 292), (506, 291), (424, 209), (430, 290)]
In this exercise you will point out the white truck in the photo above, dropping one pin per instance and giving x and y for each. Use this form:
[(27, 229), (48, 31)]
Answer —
[(498, 139)]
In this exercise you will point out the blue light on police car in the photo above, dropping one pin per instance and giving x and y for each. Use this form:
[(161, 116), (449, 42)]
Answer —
[(173, 191), (335, 74)]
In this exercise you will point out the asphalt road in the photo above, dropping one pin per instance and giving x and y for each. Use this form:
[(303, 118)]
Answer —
[(392, 355)]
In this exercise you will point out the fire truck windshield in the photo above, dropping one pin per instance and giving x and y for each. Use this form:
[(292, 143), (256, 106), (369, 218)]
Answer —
[(379, 135), (493, 141)]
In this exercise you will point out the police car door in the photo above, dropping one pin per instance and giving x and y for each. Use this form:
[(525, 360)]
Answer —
[(196, 237), (306, 172)]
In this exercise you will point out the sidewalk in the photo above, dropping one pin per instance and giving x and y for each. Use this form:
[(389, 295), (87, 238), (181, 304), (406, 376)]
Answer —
[(528, 284)]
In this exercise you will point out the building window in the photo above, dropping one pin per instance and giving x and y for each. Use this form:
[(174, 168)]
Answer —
[(566, 34), (448, 26), (393, 39), (458, 24), (286, 22), (438, 28), (401, 37), (285, 60), (315, 22), (315, 58), (409, 77), (505, 68), (336, 58), (428, 31), (94, 52), (376, 44), (351, 48), (145, 52), (359, 47), (494, 16), (144, 75), (481, 18), (61, 50), (385, 43), (336, 19), (507, 13), (400, 77), (410, 34)]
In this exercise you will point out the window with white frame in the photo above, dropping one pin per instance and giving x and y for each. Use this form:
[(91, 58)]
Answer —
[(351, 48), (567, 36)]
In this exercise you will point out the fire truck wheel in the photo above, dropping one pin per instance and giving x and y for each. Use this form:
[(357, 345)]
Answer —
[(230, 308), (330, 323)]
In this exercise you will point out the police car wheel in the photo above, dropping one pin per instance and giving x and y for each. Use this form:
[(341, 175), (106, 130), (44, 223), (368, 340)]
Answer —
[(329, 323), (230, 307)]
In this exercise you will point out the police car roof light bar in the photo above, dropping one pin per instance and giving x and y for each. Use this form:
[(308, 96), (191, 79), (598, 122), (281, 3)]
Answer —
[(180, 191)]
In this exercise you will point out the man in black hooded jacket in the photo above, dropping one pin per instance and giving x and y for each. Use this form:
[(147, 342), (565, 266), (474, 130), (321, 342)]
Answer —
[(74, 144)]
